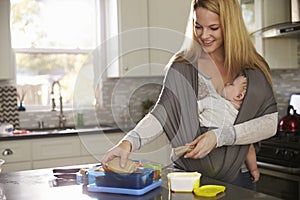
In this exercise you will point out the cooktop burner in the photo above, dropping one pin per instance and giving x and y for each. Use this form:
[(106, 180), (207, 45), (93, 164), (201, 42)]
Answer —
[(285, 139)]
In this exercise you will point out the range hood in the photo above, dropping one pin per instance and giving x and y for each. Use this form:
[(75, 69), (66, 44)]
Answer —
[(288, 29)]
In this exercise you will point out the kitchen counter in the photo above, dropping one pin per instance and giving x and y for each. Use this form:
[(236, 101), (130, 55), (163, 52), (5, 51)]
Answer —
[(56, 132), (38, 184)]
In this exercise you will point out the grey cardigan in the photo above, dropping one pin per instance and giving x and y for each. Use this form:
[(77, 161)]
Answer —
[(176, 110)]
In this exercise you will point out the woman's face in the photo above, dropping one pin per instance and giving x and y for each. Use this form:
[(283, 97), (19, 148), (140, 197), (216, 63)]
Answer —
[(207, 29)]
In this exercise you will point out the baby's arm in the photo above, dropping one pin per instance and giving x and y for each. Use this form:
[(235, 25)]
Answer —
[(235, 91), (252, 165)]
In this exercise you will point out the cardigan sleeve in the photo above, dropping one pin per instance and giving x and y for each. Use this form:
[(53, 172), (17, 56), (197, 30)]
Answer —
[(144, 132), (258, 117), (248, 132)]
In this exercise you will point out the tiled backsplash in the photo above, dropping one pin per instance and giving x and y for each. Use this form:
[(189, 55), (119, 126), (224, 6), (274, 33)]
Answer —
[(122, 100), (122, 104), (286, 82)]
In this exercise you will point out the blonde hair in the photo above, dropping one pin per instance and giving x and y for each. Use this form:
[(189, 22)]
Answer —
[(240, 52)]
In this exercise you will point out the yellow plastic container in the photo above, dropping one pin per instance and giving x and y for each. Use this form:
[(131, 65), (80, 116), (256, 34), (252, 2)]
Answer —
[(183, 181)]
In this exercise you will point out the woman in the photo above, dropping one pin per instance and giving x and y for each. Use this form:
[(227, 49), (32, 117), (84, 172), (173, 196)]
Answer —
[(220, 49)]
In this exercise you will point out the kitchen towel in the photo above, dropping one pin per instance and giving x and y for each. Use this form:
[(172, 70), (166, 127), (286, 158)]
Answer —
[(9, 105)]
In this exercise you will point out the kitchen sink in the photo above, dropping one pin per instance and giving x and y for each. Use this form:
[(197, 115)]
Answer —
[(71, 129)]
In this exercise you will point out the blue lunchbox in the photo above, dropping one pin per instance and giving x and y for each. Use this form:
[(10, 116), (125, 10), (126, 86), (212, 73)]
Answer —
[(141, 178)]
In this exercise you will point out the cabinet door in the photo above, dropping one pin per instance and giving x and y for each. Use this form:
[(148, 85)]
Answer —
[(97, 144), (15, 151), (57, 162), (279, 52), (17, 155), (58, 147), (167, 22), (54, 152), (128, 53)]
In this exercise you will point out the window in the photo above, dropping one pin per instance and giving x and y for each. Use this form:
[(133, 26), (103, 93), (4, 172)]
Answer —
[(52, 40)]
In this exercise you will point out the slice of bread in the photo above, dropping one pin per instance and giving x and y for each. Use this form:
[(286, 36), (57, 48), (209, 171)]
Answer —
[(179, 151), (114, 166)]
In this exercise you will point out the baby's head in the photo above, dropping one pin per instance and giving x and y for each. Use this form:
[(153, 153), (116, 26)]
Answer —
[(236, 90)]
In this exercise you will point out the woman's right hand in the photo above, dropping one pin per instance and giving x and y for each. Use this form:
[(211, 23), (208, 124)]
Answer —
[(121, 150), (203, 144)]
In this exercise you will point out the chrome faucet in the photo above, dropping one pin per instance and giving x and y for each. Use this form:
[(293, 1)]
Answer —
[(62, 118)]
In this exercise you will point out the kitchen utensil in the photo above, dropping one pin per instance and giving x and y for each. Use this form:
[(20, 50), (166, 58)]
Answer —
[(290, 122), (66, 170), (66, 176)]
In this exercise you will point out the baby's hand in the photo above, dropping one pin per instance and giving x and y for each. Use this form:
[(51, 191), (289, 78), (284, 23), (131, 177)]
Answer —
[(255, 175)]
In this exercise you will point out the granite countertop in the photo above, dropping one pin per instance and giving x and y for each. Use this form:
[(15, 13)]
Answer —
[(37, 184), (56, 132)]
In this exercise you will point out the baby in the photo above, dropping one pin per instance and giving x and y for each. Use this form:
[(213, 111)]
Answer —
[(235, 93), (224, 112)]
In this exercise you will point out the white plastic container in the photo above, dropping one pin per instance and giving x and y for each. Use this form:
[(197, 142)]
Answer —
[(6, 128), (1, 163), (183, 181)]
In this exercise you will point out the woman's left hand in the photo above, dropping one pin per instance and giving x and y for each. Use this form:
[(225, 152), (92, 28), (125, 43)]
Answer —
[(204, 144)]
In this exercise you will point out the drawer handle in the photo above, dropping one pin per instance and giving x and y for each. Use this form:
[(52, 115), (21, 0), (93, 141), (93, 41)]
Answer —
[(7, 152)]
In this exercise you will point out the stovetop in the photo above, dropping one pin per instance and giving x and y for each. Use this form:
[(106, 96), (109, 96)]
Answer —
[(283, 149), (289, 140)]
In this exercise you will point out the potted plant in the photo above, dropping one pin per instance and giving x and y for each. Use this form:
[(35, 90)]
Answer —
[(147, 106)]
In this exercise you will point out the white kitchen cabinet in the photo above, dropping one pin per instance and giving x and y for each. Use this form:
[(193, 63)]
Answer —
[(127, 46), (143, 35), (94, 146), (56, 151), (279, 52), (56, 162), (27, 154), (17, 155), (85, 148), (6, 53)]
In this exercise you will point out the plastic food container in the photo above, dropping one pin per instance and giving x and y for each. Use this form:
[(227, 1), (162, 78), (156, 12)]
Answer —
[(183, 181), (139, 179), (156, 169)]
